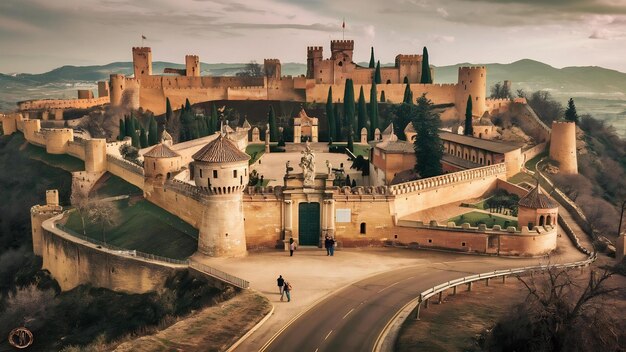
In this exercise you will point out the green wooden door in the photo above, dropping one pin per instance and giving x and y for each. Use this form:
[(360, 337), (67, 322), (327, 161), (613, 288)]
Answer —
[(309, 224)]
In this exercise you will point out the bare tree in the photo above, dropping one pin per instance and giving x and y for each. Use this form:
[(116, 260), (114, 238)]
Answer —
[(252, 69), (600, 214), (103, 213), (573, 185), (27, 306), (501, 91), (80, 202), (559, 314)]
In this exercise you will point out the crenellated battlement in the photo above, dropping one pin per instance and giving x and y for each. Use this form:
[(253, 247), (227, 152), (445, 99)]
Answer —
[(339, 45), (142, 49), (466, 227), (472, 68)]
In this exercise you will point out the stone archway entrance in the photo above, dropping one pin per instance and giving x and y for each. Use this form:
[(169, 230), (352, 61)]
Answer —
[(309, 224)]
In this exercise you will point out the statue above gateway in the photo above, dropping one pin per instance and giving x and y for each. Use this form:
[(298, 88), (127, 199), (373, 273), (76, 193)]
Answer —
[(307, 163)]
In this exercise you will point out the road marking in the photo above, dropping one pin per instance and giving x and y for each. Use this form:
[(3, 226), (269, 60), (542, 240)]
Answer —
[(347, 313), (330, 332), (388, 287)]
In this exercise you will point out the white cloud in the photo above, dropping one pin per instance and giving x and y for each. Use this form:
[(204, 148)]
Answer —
[(442, 12)]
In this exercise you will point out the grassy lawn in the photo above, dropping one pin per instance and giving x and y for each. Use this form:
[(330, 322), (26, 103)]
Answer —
[(521, 177), (62, 161), (144, 227), (114, 186), (255, 151), (532, 163), (359, 149), (475, 217)]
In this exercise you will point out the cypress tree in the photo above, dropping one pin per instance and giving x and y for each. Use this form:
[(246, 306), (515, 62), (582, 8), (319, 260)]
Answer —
[(408, 95), (122, 130), (272, 121), (382, 97), (330, 116), (469, 129), (406, 79), (143, 139), (372, 62), (129, 125), (348, 181), (362, 112), (135, 138), (350, 141), (373, 112), (214, 119), (153, 132), (168, 110), (570, 112), (187, 105), (428, 146), (425, 68), (377, 78), (338, 123), (348, 104)]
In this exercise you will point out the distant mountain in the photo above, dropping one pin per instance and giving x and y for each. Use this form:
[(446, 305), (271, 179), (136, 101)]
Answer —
[(596, 90)]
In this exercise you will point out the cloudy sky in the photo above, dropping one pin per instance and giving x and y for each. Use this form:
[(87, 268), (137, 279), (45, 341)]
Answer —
[(38, 35)]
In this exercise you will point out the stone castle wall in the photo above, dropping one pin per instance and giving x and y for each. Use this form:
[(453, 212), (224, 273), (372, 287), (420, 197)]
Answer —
[(47, 104)]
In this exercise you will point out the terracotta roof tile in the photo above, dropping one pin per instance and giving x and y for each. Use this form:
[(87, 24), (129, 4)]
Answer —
[(220, 150), (535, 199), (161, 151)]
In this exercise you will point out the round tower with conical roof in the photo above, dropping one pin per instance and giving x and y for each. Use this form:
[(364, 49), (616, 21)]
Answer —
[(221, 169), (537, 209)]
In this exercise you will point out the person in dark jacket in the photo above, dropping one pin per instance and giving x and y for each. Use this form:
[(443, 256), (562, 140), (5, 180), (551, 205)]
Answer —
[(328, 245), (331, 244), (281, 284)]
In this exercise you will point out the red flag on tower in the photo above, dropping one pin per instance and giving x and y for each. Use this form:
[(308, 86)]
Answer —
[(343, 25)]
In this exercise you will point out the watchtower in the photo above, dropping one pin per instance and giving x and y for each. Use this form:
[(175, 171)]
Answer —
[(192, 65), (341, 50), (563, 146), (221, 170), (142, 61), (472, 81), (272, 68), (314, 56)]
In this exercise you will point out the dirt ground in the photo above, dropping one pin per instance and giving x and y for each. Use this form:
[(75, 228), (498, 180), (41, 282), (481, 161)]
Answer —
[(457, 323), (212, 329)]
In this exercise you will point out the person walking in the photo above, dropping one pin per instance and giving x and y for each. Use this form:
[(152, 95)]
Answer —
[(292, 246), (332, 245), (327, 244), (281, 284), (287, 291)]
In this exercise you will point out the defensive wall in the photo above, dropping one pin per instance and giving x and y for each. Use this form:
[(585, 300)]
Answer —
[(510, 241), (50, 104), (73, 261), (452, 187)]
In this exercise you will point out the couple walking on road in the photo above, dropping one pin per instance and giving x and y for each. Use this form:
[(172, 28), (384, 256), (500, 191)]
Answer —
[(284, 288), (329, 244)]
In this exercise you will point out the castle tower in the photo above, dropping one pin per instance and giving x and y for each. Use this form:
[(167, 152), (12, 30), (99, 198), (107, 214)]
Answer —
[(472, 81), (161, 162), (124, 91), (342, 50), (41, 213), (314, 56), (96, 155), (409, 66), (563, 146), (537, 209), (222, 170), (103, 89), (30, 128), (117, 84), (142, 61), (57, 140), (272, 68), (192, 65)]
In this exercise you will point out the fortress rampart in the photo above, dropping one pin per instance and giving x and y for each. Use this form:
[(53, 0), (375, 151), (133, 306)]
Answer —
[(49, 104)]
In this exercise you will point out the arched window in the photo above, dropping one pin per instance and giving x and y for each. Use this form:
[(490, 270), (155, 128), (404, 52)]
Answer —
[(388, 81), (549, 220), (541, 220), (363, 228)]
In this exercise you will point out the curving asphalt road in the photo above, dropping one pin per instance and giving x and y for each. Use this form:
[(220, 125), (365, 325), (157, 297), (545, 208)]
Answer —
[(352, 318)]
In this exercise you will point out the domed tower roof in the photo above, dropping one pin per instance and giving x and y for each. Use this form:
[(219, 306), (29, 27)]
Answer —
[(161, 151), (220, 150), (535, 199)]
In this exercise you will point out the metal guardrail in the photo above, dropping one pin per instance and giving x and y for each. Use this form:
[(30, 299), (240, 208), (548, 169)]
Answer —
[(439, 289), (120, 250), (231, 279)]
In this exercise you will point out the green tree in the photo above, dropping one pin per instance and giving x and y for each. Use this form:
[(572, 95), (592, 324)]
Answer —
[(330, 116), (570, 112), (271, 119), (214, 120), (382, 97), (372, 62), (188, 127), (373, 111), (377, 78), (338, 123), (187, 105), (122, 130), (129, 125), (348, 104), (502, 91), (350, 141), (153, 131), (135, 139), (362, 112), (143, 139), (406, 80), (408, 95), (428, 146), (168, 110), (469, 129), (426, 78)]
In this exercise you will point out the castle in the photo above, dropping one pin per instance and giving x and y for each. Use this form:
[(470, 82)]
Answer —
[(150, 91)]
